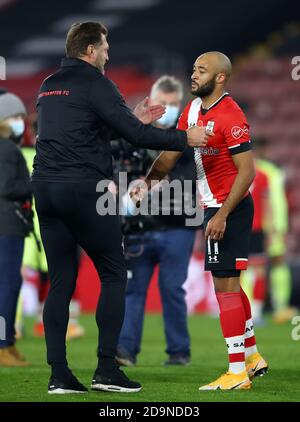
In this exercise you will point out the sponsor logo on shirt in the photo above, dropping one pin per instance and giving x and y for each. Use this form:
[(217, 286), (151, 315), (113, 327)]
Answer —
[(208, 151), (237, 132)]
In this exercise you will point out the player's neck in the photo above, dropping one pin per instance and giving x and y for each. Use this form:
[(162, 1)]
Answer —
[(208, 101)]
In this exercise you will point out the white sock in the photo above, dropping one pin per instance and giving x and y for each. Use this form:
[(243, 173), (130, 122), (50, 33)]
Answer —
[(249, 334), (237, 367), (236, 345)]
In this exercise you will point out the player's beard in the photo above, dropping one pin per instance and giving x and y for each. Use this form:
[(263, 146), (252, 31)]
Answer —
[(206, 89)]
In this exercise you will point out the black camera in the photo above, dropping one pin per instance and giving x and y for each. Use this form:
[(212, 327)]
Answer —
[(171, 213), (127, 158)]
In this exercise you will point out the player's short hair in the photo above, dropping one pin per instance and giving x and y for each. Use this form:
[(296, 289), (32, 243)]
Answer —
[(167, 84), (81, 35)]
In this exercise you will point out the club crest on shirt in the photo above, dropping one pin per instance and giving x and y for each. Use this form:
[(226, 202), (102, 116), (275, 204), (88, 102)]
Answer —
[(210, 126)]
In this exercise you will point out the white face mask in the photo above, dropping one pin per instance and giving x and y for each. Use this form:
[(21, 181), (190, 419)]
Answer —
[(17, 126), (170, 117), (128, 206)]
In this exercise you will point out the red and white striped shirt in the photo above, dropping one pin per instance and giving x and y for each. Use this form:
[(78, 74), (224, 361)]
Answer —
[(216, 170)]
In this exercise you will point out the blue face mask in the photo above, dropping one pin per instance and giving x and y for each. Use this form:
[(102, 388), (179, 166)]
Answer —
[(170, 117), (17, 127)]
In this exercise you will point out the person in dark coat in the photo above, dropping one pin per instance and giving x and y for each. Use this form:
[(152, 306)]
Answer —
[(15, 198)]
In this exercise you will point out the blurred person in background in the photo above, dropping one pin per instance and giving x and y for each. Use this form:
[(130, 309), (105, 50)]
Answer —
[(167, 243), (15, 219), (34, 265), (254, 279), (277, 228)]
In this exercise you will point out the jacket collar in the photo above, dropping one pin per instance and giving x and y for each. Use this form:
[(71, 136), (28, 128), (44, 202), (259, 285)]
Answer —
[(74, 62)]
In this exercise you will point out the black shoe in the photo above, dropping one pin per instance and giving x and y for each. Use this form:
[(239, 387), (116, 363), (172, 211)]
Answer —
[(67, 386), (116, 381), (178, 359), (124, 358)]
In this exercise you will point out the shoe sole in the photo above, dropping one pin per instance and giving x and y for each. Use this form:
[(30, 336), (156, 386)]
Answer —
[(246, 385), (259, 370), (259, 373), (63, 391), (114, 388)]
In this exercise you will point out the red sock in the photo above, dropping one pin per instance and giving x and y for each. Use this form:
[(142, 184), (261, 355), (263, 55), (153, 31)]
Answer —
[(246, 304), (233, 320), (250, 340)]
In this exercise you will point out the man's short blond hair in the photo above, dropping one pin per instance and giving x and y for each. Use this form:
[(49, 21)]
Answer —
[(167, 84)]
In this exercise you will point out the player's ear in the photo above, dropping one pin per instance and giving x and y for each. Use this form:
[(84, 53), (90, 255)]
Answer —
[(90, 50), (220, 78)]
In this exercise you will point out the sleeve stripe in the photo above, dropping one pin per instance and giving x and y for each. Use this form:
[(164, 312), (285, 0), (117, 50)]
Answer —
[(243, 147)]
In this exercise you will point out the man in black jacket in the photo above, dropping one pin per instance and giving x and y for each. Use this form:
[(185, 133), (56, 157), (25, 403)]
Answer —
[(79, 112), (15, 192)]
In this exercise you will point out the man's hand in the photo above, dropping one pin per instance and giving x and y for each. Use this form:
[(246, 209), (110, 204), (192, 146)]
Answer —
[(198, 136), (148, 114), (216, 227), (137, 191)]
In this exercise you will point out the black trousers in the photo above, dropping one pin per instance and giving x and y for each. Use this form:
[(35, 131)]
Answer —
[(68, 217)]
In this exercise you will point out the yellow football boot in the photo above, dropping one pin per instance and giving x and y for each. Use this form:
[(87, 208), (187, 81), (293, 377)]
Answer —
[(285, 315), (230, 381), (256, 366), (75, 330)]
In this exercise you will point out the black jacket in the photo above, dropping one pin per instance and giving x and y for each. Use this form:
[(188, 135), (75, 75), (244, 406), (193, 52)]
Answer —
[(14, 188), (79, 112)]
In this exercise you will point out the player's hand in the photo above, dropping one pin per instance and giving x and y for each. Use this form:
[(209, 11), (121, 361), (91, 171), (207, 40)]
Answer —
[(138, 191), (198, 136), (148, 114), (216, 227)]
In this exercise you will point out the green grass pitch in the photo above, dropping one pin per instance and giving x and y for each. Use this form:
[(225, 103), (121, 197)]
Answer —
[(162, 384)]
